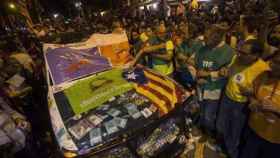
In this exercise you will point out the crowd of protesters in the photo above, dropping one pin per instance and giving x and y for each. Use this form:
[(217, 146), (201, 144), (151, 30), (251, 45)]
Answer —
[(233, 63), (230, 57)]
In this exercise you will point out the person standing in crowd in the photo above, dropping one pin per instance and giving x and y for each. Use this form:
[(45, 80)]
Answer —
[(274, 39), (181, 10), (117, 27), (215, 13), (136, 41), (14, 132), (183, 26), (161, 51), (193, 5), (248, 27), (232, 114), (146, 12), (163, 8), (232, 35), (185, 49), (212, 57), (18, 75), (268, 33), (134, 36), (263, 138), (143, 41), (183, 53)]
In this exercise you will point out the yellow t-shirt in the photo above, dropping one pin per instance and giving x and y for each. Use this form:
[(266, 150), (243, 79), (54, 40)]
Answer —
[(244, 80), (266, 124), (166, 69)]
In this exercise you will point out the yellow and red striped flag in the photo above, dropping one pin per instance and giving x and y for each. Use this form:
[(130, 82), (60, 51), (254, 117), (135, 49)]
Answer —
[(163, 92)]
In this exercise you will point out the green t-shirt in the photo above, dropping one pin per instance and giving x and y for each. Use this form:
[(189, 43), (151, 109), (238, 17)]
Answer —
[(195, 46), (213, 60), (187, 48), (136, 48)]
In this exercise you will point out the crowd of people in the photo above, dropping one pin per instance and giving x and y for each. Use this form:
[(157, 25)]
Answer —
[(233, 65), (229, 57)]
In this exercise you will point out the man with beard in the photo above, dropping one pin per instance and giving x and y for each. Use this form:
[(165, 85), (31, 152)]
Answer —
[(263, 138), (209, 59), (243, 71)]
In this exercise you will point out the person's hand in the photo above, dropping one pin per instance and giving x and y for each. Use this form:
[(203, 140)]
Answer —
[(267, 104), (141, 51), (145, 50), (131, 64), (254, 105), (224, 72), (128, 65), (202, 73), (192, 70)]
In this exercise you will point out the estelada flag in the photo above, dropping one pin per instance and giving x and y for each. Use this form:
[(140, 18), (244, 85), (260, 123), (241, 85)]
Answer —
[(164, 93)]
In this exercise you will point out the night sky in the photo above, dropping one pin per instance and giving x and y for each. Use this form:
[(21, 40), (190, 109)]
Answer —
[(63, 6)]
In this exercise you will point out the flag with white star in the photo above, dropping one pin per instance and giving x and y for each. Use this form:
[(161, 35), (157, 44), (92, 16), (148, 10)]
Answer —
[(136, 75)]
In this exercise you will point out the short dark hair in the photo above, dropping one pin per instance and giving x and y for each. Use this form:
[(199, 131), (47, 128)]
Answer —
[(251, 23), (115, 23), (180, 33), (257, 47), (216, 32), (135, 30)]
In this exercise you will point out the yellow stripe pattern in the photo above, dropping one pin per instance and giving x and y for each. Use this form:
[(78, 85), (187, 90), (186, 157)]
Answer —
[(152, 97), (168, 83)]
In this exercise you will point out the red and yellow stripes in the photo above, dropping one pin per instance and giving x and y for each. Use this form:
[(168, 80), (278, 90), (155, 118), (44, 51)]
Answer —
[(162, 92)]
